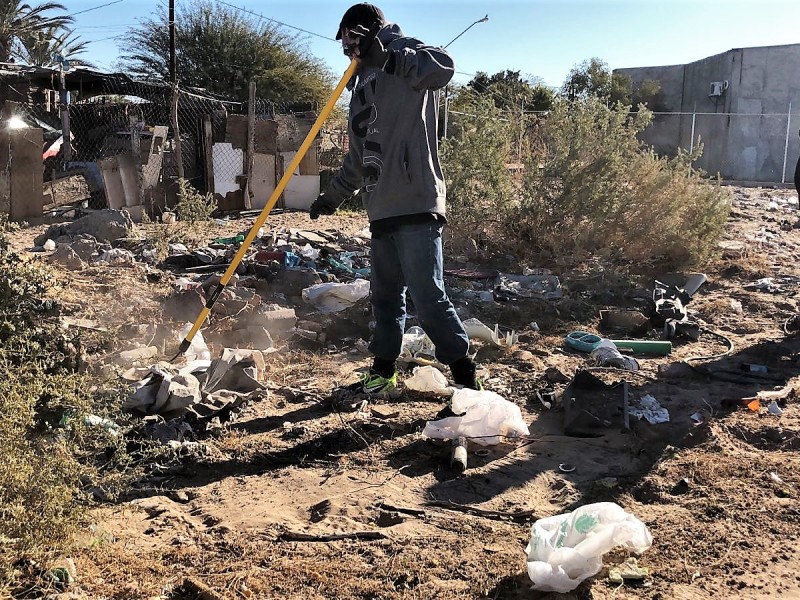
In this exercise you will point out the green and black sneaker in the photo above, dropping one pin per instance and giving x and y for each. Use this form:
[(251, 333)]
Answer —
[(373, 383)]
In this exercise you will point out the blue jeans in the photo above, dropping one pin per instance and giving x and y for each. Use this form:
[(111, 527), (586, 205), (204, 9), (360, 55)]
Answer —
[(410, 259)]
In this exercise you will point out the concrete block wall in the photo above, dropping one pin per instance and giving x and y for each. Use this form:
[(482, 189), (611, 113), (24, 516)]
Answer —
[(743, 132)]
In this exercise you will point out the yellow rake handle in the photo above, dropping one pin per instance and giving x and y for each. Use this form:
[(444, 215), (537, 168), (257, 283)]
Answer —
[(262, 217)]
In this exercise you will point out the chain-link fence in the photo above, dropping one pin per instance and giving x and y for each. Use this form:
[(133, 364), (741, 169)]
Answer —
[(115, 145)]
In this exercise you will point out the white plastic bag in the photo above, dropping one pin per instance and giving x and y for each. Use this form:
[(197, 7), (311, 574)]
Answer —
[(416, 343), (198, 349), (428, 379), (488, 417), (568, 548), (333, 297)]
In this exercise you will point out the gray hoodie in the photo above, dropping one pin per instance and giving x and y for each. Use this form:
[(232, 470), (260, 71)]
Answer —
[(393, 155)]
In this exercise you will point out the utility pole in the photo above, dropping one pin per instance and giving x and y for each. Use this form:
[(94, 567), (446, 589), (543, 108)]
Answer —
[(173, 80), (172, 60)]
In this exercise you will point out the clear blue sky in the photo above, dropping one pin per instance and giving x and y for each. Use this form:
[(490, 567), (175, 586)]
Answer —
[(542, 38)]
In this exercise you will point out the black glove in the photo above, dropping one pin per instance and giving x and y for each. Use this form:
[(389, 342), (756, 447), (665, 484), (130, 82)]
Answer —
[(370, 51), (322, 206)]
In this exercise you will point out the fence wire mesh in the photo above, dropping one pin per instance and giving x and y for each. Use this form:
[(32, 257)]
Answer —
[(129, 125)]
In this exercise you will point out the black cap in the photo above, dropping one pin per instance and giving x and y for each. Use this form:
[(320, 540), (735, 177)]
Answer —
[(365, 14)]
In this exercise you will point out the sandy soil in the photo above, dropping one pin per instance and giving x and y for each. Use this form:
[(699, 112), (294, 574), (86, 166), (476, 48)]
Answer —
[(720, 497)]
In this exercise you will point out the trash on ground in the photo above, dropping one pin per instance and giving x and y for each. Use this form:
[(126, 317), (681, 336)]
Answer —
[(478, 331), (670, 296), (648, 408), (547, 397), (774, 409), (775, 478), (428, 379), (204, 388), (547, 287), (606, 354), (586, 342), (198, 349), (416, 345), (567, 549), (335, 297), (628, 571), (486, 418), (698, 417)]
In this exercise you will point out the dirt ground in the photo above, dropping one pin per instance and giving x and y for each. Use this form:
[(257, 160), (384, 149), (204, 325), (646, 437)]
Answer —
[(719, 496)]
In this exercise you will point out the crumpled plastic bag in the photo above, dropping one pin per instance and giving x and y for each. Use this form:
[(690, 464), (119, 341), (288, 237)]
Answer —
[(416, 343), (428, 379), (489, 417), (334, 297), (568, 548), (198, 349), (606, 354)]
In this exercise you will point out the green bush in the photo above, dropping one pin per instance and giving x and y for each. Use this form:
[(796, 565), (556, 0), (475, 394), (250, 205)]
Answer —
[(589, 187), (193, 207), (480, 189)]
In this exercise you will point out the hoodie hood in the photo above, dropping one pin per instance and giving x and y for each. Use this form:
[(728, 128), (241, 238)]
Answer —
[(389, 33)]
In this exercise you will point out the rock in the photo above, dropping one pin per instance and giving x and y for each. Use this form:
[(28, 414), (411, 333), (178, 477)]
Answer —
[(233, 301), (85, 247), (105, 225), (310, 326), (305, 334), (523, 355), (384, 411), (137, 355), (49, 245), (279, 321), (553, 375), (66, 256)]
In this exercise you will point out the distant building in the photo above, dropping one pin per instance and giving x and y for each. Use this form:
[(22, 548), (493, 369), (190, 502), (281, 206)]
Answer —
[(738, 104)]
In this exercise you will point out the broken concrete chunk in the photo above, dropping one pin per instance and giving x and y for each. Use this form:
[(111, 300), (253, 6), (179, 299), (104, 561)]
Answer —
[(137, 355), (105, 225), (233, 301), (117, 256), (279, 321), (65, 255), (85, 247), (308, 335), (254, 335), (310, 326)]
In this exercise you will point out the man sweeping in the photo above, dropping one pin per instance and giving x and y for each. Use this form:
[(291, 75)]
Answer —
[(394, 162)]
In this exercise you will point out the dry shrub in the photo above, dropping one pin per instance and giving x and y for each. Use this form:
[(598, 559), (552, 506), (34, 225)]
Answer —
[(49, 455), (590, 187)]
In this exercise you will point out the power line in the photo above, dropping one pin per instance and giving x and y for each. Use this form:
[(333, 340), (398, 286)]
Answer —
[(80, 12), (319, 35)]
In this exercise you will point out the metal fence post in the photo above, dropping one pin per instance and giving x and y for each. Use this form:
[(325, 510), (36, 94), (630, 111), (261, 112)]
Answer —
[(251, 132), (786, 143), (694, 118), (176, 132)]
